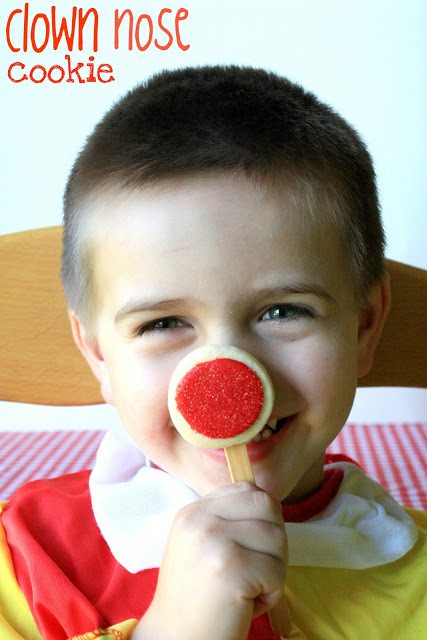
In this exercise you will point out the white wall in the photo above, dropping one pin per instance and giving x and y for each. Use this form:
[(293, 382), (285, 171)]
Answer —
[(367, 58)]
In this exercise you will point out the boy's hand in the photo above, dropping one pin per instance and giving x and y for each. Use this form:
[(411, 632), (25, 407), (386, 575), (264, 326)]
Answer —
[(225, 563)]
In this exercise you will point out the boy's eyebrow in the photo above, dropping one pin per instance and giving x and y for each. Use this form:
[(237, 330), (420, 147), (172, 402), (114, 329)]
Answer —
[(146, 305), (299, 287)]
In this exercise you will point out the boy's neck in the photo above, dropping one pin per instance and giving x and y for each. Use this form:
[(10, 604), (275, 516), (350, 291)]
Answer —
[(309, 483)]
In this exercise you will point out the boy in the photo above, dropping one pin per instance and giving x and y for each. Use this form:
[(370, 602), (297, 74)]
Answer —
[(219, 206)]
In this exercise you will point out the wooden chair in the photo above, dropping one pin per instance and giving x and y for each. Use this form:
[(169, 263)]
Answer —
[(39, 363)]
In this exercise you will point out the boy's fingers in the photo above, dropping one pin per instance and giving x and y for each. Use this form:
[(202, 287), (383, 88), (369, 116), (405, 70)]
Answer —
[(255, 575), (229, 489), (280, 618), (243, 501), (260, 537)]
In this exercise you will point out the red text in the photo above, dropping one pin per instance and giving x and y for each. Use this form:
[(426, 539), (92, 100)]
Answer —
[(79, 72), (39, 30), (140, 31)]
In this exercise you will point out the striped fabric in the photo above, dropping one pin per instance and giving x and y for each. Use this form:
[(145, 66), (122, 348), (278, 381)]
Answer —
[(43, 454), (393, 454)]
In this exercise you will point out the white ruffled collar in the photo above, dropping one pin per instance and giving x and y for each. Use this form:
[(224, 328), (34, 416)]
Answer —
[(134, 505)]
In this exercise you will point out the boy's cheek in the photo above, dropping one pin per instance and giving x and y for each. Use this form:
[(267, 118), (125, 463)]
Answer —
[(140, 392), (326, 378), (321, 360)]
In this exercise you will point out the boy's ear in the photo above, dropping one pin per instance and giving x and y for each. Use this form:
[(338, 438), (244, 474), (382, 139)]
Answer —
[(371, 323), (89, 347)]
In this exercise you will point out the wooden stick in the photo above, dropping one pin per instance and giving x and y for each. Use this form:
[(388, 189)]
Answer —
[(239, 465), (240, 469)]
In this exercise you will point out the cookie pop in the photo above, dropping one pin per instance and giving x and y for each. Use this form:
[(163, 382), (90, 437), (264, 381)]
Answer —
[(221, 397)]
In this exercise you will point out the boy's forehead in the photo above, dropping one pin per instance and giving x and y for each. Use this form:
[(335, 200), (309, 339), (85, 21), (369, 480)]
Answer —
[(171, 208), (202, 223)]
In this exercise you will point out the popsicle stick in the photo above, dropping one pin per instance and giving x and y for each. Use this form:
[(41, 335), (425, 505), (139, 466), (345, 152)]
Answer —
[(240, 469), (239, 465)]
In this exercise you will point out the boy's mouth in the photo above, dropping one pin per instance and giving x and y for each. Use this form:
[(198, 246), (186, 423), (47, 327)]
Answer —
[(273, 426)]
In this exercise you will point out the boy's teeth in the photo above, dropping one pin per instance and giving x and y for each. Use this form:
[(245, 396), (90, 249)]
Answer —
[(266, 432), (270, 428)]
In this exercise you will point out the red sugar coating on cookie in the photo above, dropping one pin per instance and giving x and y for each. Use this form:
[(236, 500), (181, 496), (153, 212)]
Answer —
[(220, 398)]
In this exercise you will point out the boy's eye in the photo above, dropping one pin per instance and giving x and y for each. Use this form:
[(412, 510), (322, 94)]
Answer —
[(286, 312), (162, 324)]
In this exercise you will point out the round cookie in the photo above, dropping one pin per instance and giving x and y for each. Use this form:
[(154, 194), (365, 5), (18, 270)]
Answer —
[(220, 396)]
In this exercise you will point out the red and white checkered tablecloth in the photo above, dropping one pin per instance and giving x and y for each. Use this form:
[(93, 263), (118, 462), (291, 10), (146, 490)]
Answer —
[(393, 454), (26, 456)]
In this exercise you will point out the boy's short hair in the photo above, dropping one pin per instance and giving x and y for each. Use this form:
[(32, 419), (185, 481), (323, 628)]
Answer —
[(237, 119)]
